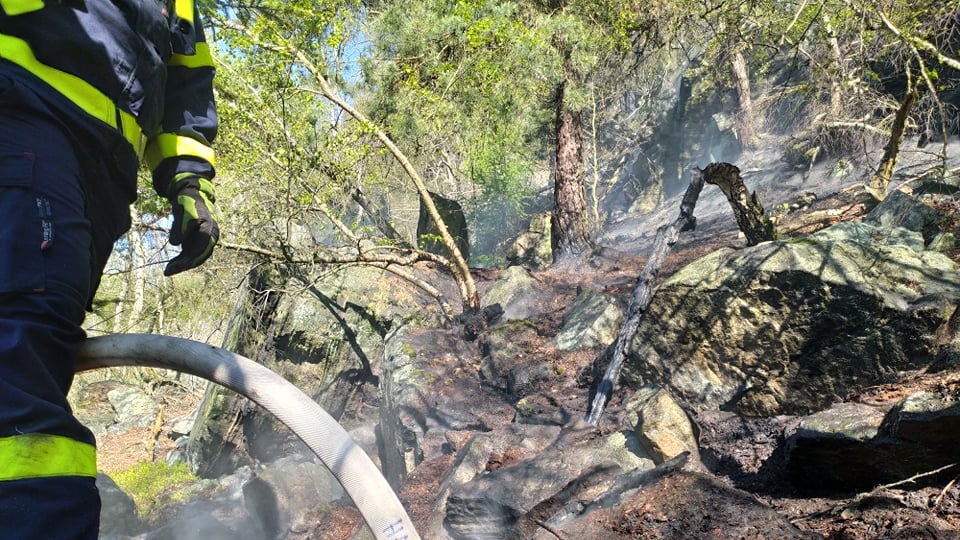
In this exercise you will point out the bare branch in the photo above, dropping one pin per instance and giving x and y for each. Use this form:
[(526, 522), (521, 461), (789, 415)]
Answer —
[(388, 262), (461, 268), (919, 43)]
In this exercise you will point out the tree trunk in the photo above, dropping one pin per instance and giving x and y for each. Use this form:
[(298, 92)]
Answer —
[(119, 307), (746, 128), (140, 280), (836, 81), (674, 138), (878, 184), (570, 234)]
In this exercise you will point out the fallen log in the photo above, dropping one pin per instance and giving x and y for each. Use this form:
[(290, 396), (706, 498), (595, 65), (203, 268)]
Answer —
[(667, 236)]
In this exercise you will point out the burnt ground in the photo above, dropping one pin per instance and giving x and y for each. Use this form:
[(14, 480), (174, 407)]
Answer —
[(740, 456), (912, 510)]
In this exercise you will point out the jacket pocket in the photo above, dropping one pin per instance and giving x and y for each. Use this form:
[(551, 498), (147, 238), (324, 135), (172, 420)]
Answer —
[(22, 225)]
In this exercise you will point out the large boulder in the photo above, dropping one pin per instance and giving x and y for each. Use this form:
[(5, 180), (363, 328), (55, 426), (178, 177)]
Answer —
[(118, 512), (593, 320), (428, 233), (532, 249), (662, 426), (327, 339), (516, 292), (789, 327), (134, 407), (860, 445)]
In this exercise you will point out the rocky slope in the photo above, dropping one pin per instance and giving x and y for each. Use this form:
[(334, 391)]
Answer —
[(806, 388)]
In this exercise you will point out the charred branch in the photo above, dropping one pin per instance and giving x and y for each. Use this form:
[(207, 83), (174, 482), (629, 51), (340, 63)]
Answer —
[(748, 211)]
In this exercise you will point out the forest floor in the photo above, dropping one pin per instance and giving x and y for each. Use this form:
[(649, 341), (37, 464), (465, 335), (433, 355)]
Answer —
[(118, 451), (909, 511), (891, 512)]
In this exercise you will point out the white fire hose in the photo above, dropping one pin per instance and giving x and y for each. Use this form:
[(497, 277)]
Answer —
[(358, 475)]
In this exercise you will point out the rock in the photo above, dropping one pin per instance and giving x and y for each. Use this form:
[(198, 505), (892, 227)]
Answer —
[(853, 446), (134, 408), (288, 490), (579, 464), (515, 291), (593, 320), (829, 449), (118, 512), (899, 210), (943, 242), (683, 505), (365, 435), (482, 452), (198, 522), (428, 234), (92, 406), (661, 424), (927, 418), (789, 327), (183, 426), (532, 249), (940, 181)]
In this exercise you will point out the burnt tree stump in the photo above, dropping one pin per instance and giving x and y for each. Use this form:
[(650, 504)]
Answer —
[(748, 211)]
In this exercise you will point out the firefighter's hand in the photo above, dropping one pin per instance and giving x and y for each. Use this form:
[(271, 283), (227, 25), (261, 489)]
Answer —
[(194, 228)]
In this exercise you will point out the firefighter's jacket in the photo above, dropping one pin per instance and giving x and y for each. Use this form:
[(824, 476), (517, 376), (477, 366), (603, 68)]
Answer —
[(140, 67), (131, 82)]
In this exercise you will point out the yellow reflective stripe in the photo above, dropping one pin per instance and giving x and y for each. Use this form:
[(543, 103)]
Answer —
[(19, 7), (167, 145), (80, 92), (202, 58), (130, 129), (184, 10), (40, 456)]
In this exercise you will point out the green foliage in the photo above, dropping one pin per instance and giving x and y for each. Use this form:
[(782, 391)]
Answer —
[(468, 82), (476, 83), (154, 486), (467, 89)]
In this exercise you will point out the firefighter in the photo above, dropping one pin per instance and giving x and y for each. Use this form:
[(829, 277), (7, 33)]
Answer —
[(89, 90)]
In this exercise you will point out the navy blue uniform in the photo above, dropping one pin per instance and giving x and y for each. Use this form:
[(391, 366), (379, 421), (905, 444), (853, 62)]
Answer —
[(88, 89)]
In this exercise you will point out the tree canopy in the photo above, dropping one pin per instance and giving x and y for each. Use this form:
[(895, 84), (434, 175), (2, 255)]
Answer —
[(340, 117)]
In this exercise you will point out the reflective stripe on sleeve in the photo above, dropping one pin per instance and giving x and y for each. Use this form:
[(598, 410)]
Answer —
[(199, 60), (19, 7), (37, 455), (167, 145), (80, 92), (184, 10)]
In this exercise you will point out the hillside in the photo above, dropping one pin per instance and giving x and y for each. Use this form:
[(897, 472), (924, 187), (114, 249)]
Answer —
[(741, 455)]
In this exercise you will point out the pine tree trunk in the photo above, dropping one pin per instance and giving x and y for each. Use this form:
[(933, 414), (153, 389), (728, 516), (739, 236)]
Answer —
[(570, 234)]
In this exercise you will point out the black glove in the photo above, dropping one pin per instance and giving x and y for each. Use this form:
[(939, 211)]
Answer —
[(194, 229)]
